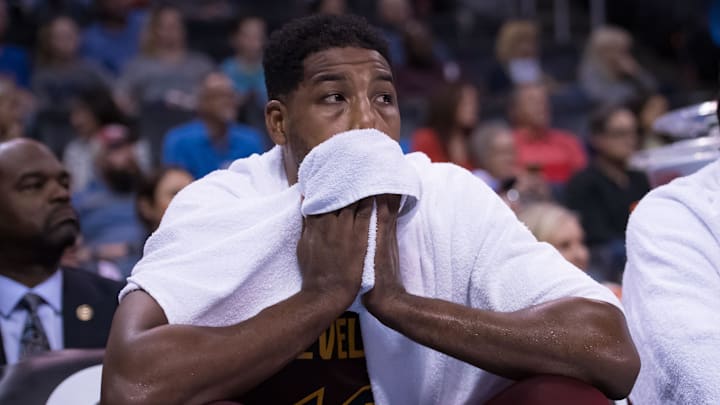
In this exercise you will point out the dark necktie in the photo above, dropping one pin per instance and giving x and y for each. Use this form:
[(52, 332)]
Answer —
[(34, 340)]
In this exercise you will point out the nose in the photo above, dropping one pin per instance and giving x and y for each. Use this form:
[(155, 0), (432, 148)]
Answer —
[(363, 115), (59, 192)]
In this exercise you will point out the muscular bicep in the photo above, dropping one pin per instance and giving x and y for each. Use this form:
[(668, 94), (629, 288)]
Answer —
[(138, 312)]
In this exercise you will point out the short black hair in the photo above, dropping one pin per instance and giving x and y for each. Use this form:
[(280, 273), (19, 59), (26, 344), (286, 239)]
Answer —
[(599, 119), (288, 47)]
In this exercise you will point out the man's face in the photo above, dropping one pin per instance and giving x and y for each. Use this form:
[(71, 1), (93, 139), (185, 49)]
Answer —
[(35, 208), (342, 89), (119, 167), (218, 100), (532, 108)]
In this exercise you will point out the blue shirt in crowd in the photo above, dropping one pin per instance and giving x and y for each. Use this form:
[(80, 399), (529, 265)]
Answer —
[(190, 147), (246, 80), (108, 217), (113, 49), (15, 64)]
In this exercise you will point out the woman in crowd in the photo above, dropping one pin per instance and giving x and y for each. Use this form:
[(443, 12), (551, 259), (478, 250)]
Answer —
[(60, 75), (166, 73), (452, 116), (606, 191), (610, 74), (91, 111), (517, 54), (561, 228), (155, 193)]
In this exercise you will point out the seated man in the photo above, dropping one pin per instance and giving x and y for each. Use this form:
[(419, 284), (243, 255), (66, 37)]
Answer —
[(671, 290), (106, 206), (327, 75), (43, 307), (213, 140)]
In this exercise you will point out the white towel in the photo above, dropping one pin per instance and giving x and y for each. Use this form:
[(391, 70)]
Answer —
[(671, 291), (226, 250)]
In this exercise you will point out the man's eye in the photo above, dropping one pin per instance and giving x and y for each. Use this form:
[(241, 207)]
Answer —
[(385, 99), (333, 98), (35, 185)]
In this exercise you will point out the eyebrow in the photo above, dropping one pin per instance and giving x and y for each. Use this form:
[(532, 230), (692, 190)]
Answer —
[(387, 77), (327, 77), (39, 174)]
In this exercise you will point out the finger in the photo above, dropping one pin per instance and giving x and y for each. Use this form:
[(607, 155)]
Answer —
[(346, 217), (364, 208), (362, 216)]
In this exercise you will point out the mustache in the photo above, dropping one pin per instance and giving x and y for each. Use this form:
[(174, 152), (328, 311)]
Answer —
[(61, 209)]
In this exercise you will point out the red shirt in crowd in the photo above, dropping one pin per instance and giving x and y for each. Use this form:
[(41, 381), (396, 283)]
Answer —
[(427, 141), (557, 154)]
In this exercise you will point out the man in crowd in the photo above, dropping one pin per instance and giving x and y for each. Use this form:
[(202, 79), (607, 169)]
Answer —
[(554, 153), (44, 307), (106, 207), (326, 75), (671, 290), (213, 140)]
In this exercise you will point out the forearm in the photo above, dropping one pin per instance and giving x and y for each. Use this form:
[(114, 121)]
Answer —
[(190, 364), (572, 337)]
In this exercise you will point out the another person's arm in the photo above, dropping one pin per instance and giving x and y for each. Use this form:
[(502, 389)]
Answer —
[(671, 293), (574, 337), (151, 362)]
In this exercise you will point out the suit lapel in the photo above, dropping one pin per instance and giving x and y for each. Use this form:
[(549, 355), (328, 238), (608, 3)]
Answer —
[(3, 360)]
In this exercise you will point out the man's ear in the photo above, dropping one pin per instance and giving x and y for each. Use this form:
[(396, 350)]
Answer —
[(276, 121)]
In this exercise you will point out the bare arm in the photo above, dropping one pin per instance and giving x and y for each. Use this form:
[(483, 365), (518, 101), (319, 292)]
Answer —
[(149, 361), (573, 337)]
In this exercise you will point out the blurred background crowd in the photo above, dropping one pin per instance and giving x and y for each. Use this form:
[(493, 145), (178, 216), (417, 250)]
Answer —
[(545, 100)]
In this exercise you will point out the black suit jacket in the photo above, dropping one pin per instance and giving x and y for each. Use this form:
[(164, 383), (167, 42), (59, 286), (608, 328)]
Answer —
[(82, 288)]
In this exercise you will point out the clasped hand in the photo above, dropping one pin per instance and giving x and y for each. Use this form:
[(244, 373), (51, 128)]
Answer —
[(331, 253)]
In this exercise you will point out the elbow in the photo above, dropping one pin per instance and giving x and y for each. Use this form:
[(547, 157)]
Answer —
[(617, 376), (617, 362)]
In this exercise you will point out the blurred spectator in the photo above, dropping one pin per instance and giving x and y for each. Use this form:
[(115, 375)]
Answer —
[(245, 67), (59, 76), (493, 152), (44, 307), (606, 191), (392, 16), (155, 193), (109, 222), (335, 7), (555, 153), (517, 53), (12, 115), (166, 72), (91, 112), (114, 38), (492, 149), (421, 73), (214, 139), (655, 107), (559, 227), (60, 73), (610, 74), (452, 116), (14, 60), (494, 155)]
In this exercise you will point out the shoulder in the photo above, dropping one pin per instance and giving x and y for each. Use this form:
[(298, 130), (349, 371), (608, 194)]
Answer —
[(686, 201), (84, 282), (185, 132)]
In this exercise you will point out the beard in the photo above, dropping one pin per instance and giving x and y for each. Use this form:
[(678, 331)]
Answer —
[(122, 181)]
